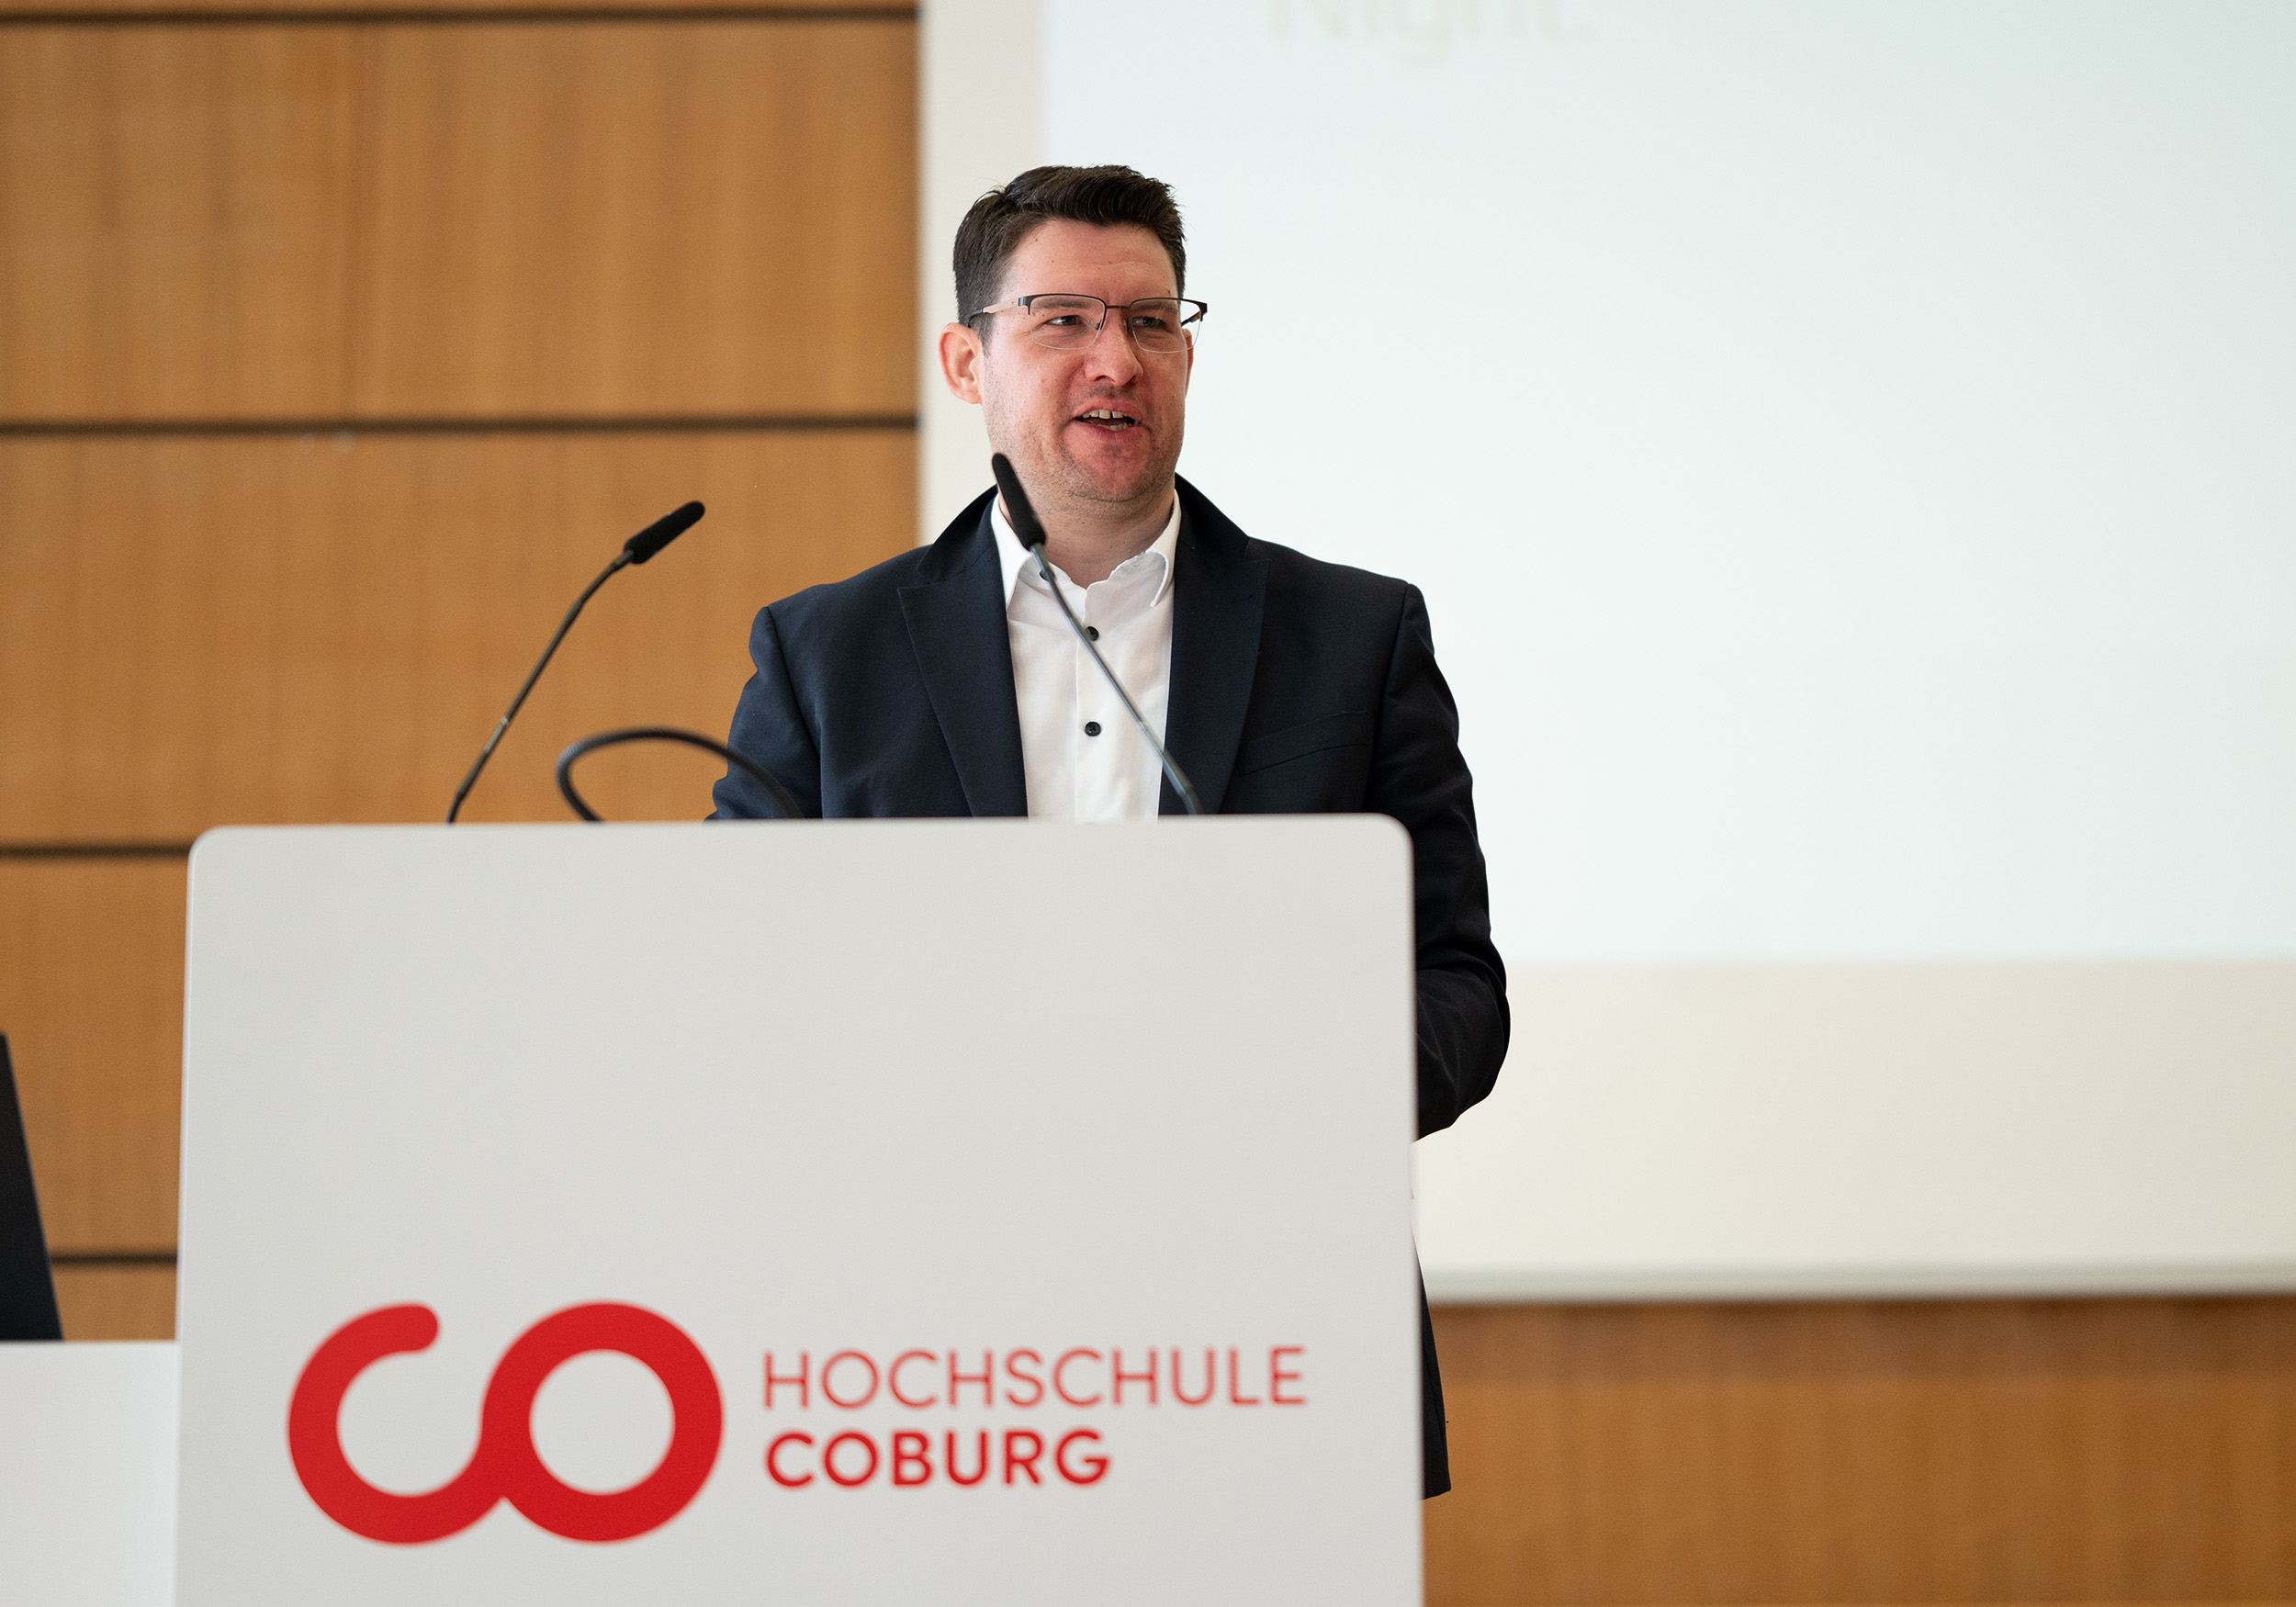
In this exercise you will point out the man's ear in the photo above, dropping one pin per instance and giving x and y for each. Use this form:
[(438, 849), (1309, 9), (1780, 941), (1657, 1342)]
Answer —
[(960, 360)]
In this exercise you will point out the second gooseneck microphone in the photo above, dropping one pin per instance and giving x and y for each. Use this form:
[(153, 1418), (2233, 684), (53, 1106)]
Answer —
[(637, 550), (1030, 530)]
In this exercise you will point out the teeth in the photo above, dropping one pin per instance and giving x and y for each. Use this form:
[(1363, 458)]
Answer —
[(1105, 413)]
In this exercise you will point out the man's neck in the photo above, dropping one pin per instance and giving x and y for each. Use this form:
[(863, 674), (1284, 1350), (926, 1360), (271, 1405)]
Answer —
[(1087, 544)]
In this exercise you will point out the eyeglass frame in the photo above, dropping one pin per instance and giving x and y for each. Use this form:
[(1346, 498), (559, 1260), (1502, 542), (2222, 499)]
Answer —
[(1020, 304)]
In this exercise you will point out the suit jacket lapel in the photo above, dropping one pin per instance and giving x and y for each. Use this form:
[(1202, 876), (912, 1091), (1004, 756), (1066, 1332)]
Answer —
[(957, 628), (1218, 592)]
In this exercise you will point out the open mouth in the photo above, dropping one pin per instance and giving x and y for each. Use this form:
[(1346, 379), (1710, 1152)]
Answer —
[(1108, 418)]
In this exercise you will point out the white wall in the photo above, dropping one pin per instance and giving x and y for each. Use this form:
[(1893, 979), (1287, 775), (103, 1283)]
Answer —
[(1844, 450), (980, 125)]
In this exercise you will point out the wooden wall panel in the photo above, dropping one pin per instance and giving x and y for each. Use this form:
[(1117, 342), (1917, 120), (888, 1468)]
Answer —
[(173, 234), (690, 219), (1978, 1451), (195, 632), (446, 10), (92, 1000), (116, 1302), (606, 218)]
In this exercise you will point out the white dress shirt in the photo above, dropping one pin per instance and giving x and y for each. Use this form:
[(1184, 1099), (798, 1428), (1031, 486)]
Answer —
[(1083, 757)]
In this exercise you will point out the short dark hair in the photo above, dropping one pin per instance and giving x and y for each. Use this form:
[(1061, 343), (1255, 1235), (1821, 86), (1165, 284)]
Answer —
[(995, 225)]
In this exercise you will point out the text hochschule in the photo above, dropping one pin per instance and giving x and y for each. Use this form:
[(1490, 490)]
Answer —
[(1021, 1379)]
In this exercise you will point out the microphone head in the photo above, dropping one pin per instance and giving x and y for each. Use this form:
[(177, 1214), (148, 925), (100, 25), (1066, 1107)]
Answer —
[(1025, 523), (661, 533)]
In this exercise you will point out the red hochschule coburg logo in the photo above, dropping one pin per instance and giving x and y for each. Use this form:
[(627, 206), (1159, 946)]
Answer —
[(506, 1466), (836, 1451)]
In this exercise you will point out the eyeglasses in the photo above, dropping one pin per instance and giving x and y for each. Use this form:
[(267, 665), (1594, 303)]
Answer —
[(1070, 323)]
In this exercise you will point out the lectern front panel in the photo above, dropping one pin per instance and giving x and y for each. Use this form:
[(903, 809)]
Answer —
[(857, 1212)]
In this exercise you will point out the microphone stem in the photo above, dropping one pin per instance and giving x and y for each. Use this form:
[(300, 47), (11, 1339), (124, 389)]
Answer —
[(1180, 783), (542, 663)]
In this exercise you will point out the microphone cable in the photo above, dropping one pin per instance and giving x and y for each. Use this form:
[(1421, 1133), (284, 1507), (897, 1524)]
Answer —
[(1030, 530), (755, 771)]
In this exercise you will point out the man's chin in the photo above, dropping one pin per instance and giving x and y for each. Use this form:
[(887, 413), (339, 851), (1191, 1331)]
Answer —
[(1117, 484)]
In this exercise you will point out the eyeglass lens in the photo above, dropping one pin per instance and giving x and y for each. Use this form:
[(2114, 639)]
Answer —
[(1069, 323)]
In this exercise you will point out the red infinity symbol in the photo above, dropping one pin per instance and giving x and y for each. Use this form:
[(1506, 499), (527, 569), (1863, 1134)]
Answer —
[(506, 1466)]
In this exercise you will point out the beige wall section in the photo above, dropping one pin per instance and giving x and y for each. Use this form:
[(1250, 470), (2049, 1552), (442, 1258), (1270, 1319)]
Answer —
[(282, 629), (92, 1000), (1875, 1131), (601, 219), (116, 1302), (1963, 1451)]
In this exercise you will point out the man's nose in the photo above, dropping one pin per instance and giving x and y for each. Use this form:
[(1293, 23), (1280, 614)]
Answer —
[(1113, 353)]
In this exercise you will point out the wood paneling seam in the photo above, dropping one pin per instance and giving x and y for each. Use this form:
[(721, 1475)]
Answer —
[(567, 425), (605, 16)]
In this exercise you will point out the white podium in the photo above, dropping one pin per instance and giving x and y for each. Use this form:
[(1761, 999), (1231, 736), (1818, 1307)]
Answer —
[(853, 1212)]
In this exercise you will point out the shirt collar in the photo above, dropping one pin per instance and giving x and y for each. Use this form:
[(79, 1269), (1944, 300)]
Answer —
[(1012, 557)]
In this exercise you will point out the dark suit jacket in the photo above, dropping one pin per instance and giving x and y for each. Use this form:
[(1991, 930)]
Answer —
[(1298, 686)]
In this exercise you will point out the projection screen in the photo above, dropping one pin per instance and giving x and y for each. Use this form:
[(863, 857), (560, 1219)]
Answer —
[(1848, 453)]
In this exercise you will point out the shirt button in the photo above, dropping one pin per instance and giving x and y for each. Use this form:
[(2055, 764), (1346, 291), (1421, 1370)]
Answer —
[(1093, 631), (1092, 727)]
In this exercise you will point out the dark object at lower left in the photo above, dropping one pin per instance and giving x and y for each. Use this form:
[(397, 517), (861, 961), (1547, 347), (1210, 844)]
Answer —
[(27, 1289)]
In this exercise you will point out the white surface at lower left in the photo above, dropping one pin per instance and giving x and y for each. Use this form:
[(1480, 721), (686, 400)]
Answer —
[(87, 1474)]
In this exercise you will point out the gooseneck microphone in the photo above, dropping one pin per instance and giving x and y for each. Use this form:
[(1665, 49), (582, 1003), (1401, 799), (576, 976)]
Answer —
[(637, 550), (1030, 530)]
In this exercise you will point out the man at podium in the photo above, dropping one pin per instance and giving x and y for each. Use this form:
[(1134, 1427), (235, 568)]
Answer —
[(951, 681)]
